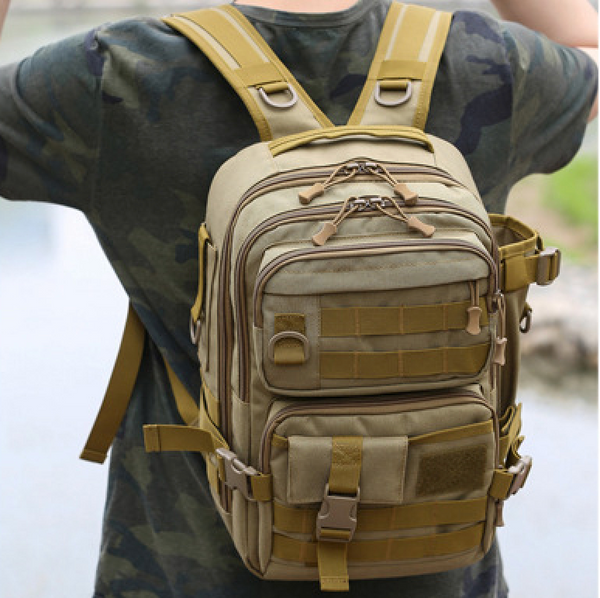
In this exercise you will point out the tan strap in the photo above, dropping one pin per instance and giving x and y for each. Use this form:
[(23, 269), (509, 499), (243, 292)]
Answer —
[(275, 100), (118, 392), (203, 239), (293, 520), (392, 549), (335, 525), (401, 77), (397, 320), (356, 365), (280, 146), (523, 258)]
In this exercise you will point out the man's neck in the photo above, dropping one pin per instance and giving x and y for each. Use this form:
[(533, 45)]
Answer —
[(301, 5)]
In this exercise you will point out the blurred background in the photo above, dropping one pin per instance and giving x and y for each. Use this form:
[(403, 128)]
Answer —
[(61, 316)]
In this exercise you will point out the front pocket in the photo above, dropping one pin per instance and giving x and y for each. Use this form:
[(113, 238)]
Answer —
[(417, 467), (392, 316)]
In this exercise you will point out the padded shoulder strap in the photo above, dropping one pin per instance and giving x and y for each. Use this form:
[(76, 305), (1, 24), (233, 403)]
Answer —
[(275, 100), (400, 81)]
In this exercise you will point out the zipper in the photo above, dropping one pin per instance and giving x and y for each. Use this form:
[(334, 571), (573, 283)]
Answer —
[(376, 406), (300, 215), (366, 249), (290, 179)]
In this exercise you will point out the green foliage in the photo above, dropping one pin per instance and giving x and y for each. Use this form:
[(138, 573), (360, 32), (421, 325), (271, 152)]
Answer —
[(573, 193)]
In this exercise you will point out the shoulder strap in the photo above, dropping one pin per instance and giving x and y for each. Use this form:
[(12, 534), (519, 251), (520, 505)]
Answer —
[(400, 81), (275, 100), (120, 388)]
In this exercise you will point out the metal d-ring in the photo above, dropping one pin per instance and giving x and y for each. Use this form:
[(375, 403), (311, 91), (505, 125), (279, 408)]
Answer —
[(267, 100), (402, 100)]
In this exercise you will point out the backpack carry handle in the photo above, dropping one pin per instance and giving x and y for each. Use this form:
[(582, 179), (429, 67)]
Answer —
[(280, 146)]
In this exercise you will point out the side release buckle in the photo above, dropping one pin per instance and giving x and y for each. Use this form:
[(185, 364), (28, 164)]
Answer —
[(521, 471), (237, 474), (548, 266), (337, 518)]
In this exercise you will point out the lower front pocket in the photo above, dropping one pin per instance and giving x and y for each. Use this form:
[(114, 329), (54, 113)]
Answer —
[(402, 483)]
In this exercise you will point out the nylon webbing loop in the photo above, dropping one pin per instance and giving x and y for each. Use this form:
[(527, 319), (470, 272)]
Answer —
[(337, 518), (393, 549), (523, 258), (403, 364), (118, 392), (203, 239), (302, 521), (382, 321), (401, 77), (247, 62)]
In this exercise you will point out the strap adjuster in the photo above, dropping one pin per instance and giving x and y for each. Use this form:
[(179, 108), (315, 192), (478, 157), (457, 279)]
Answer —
[(548, 266), (237, 474), (521, 471), (337, 518)]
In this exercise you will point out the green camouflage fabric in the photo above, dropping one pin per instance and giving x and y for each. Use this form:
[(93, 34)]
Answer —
[(128, 123)]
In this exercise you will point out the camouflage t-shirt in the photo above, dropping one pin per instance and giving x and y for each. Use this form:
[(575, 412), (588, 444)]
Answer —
[(129, 122)]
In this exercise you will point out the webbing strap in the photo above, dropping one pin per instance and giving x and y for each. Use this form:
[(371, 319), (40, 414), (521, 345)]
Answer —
[(118, 392), (400, 80), (263, 83), (392, 549), (302, 521), (333, 535), (523, 258), (403, 364), (203, 239), (411, 319)]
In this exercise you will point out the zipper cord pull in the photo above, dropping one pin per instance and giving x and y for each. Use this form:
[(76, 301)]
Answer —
[(474, 311), (409, 196), (412, 222), (331, 226), (319, 189)]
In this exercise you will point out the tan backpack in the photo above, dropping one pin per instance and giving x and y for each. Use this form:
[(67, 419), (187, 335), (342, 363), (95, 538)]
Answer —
[(357, 325)]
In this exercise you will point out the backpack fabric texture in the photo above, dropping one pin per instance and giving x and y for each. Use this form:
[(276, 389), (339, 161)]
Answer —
[(357, 324)]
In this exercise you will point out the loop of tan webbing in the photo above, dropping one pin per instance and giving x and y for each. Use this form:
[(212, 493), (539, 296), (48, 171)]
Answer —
[(247, 62), (407, 57), (523, 258), (118, 392), (391, 549), (332, 544)]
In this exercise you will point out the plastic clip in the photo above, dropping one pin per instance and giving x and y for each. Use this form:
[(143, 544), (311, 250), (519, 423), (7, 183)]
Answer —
[(521, 471), (548, 266), (336, 521), (237, 474)]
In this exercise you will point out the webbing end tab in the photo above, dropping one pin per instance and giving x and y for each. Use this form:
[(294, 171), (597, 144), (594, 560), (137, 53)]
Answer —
[(93, 456)]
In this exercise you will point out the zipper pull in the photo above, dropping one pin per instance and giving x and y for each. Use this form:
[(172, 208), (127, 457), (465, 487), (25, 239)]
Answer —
[(331, 226), (409, 196), (426, 230), (349, 170), (309, 194), (412, 222), (474, 311)]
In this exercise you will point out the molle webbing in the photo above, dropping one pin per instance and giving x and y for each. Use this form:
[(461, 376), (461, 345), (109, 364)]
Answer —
[(263, 83), (411, 319), (403, 364), (401, 77), (393, 549), (302, 521)]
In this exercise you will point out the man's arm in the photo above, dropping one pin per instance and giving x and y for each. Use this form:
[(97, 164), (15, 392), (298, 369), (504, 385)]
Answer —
[(3, 10), (571, 23)]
